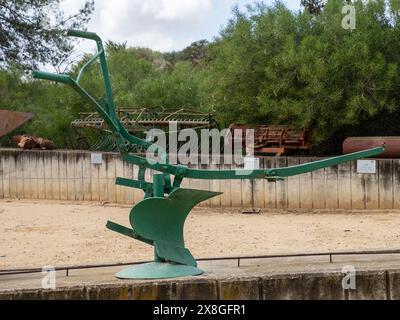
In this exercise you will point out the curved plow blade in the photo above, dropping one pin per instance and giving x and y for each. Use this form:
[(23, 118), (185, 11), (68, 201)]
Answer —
[(162, 220)]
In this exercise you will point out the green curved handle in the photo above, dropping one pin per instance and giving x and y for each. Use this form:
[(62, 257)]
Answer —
[(83, 34), (62, 78)]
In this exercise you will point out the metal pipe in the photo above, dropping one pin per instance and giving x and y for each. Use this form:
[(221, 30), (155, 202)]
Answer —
[(87, 64), (158, 185), (294, 255)]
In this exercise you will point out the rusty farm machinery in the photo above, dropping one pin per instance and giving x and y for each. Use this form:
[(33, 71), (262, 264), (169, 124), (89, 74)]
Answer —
[(137, 121)]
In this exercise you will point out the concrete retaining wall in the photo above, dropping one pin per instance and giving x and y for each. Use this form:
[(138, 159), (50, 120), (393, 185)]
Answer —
[(69, 175), (377, 285)]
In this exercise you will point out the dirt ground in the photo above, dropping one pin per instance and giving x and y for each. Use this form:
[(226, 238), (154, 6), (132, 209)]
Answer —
[(39, 233)]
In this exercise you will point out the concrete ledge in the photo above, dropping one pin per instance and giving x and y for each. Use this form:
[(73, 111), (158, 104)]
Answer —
[(393, 283), (377, 284), (109, 292), (195, 290), (239, 289), (152, 291), (370, 285), (323, 286)]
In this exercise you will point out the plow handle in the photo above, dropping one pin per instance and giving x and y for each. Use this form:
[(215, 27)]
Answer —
[(83, 34), (52, 77)]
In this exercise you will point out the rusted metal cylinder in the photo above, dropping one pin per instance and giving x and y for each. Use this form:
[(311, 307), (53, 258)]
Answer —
[(354, 144)]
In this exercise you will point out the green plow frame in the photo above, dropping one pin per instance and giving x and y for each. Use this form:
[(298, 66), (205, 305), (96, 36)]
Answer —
[(159, 219)]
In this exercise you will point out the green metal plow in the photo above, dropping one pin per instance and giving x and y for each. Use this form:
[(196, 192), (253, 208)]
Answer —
[(159, 219)]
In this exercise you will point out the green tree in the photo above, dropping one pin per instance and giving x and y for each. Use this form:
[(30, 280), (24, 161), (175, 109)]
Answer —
[(313, 6), (52, 105), (31, 31), (275, 66)]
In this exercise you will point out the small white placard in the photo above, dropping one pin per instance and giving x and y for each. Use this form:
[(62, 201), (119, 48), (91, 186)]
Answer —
[(251, 163), (366, 166), (96, 158)]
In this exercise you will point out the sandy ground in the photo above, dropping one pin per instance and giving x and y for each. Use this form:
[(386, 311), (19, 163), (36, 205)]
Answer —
[(34, 234)]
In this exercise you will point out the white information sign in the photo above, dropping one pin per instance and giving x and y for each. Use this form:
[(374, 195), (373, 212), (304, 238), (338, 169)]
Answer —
[(96, 158), (251, 163), (366, 166)]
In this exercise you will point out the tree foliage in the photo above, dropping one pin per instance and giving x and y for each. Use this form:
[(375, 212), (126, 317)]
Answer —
[(277, 66), (31, 31), (313, 6)]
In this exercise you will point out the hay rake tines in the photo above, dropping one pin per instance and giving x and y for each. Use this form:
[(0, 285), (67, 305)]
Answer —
[(139, 120)]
